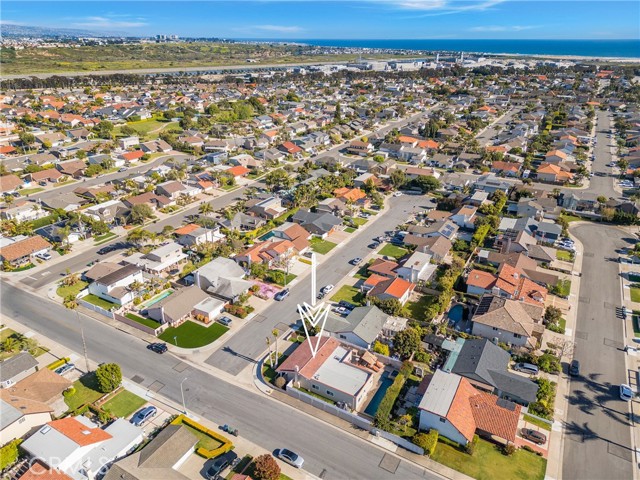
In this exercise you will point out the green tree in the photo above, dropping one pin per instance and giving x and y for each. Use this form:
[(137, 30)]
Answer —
[(426, 183), (205, 208), (398, 178), (406, 342), (278, 179), (139, 213), (109, 377), (381, 348)]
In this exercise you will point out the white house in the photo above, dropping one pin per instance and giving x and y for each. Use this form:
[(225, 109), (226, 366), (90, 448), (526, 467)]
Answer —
[(418, 267), (113, 286), (128, 142), (19, 415)]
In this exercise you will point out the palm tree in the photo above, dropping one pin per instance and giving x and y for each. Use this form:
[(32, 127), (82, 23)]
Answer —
[(275, 334), (205, 209)]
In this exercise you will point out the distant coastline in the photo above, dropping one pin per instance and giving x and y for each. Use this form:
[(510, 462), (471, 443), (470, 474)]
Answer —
[(568, 49)]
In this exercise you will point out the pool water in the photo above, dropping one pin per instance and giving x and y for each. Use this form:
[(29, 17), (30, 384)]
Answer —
[(456, 313), (155, 300), (372, 408), (266, 236)]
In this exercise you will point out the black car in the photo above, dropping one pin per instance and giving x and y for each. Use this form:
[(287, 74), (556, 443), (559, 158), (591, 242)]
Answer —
[(373, 245), (158, 347), (105, 250), (574, 368), (219, 464)]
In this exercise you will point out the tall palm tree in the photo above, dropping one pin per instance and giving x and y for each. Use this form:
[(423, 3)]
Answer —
[(205, 209)]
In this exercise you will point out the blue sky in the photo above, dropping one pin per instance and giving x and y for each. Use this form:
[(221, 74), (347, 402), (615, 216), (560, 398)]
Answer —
[(362, 19)]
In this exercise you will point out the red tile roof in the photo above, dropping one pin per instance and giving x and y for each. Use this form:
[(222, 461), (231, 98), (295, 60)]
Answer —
[(238, 171), (39, 471), (133, 155), (481, 279), (494, 419), (186, 229), (395, 287), (302, 358), (460, 413), (383, 267), (78, 432)]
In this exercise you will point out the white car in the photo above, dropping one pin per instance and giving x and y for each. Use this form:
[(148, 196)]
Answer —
[(290, 457), (626, 393), (397, 194), (326, 289), (44, 256)]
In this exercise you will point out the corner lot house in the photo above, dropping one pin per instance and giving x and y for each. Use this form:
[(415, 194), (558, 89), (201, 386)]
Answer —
[(183, 303), (458, 411), (330, 373), (222, 278), (159, 260), (79, 448), (22, 252), (113, 286)]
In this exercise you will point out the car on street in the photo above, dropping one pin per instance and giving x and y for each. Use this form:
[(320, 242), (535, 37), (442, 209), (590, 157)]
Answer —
[(67, 367), (105, 250), (281, 295), (533, 436), (158, 347), (326, 289), (143, 415), (122, 169), (626, 393), (219, 464), (373, 245), (356, 261), (44, 256), (290, 457), (574, 368), (397, 194), (226, 321)]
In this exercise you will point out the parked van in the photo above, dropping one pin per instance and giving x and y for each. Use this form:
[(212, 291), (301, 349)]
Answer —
[(526, 368)]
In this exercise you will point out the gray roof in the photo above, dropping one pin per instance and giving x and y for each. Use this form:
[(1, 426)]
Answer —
[(549, 227), (16, 365), (367, 321), (322, 222), (440, 394), (8, 414), (483, 361), (181, 302), (156, 460), (117, 275)]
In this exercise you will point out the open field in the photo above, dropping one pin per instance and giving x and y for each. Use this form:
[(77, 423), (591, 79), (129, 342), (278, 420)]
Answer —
[(151, 56)]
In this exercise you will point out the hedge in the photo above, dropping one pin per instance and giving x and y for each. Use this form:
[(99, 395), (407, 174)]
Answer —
[(226, 446), (389, 399), (58, 363), (9, 453), (427, 441)]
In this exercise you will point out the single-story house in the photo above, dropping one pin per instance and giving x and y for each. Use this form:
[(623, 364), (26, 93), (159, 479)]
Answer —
[(22, 251)]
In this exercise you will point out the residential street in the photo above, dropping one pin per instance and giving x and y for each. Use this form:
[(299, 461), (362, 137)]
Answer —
[(264, 421), (249, 343)]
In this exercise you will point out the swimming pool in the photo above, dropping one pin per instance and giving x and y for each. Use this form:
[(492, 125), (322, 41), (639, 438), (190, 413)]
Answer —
[(456, 313), (372, 408), (266, 236), (155, 300)]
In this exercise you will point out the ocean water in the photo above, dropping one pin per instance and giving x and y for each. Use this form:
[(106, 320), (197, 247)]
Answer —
[(583, 48)]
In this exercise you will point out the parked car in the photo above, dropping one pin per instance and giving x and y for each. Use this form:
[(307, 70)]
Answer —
[(143, 415), (158, 347), (626, 393), (533, 436), (281, 295), (326, 289), (574, 368), (105, 250), (290, 457), (397, 194), (373, 245), (67, 367), (347, 305), (356, 261), (342, 310), (122, 169), (226, 321), (44, 256), (526, 368), (220, 463)]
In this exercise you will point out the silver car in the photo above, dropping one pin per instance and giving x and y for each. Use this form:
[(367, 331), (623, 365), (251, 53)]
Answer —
[(290, 457)]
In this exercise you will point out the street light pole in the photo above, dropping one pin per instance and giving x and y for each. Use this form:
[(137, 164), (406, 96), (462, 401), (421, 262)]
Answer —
[(184, 408)]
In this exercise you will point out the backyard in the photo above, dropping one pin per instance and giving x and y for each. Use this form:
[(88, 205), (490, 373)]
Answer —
[(489, 463), (123, 404), (350, 294), (420, 310), (192, 335), (99, 302), (321, 246), (147, 322), (393, 251), (86, 392)]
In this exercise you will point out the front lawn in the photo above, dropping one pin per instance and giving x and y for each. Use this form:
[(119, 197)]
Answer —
[(393, 251), (489, 463), (30, 191), (635, 294), (86, 392), (562, 288), (147, 322), (359, 221), (204, 440), (321, 246), (64, 291), (101, 239), (350, 294), (269, 373), (349, 229), (564, 256), (538, 422), (99, 302), (123, 404), (363, 271), (192, 335)]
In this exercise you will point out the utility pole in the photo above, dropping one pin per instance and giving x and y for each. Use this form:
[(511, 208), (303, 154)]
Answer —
[(84, 343), (270, 356)]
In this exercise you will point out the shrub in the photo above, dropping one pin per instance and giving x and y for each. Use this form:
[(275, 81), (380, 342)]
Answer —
[(69, 392), (470, 447), (104, 416), (427, 441), (280, 382), (137, 301), (549, 363), (381, 348), (386, 405), (109, 377), (509, 449), (422, 356), (9, 453), (265, 467)]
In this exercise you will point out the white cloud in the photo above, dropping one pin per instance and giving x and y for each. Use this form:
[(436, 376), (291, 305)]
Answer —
[(107, 23), (10, 22), (448, 6), (279, 28), (504, 28)]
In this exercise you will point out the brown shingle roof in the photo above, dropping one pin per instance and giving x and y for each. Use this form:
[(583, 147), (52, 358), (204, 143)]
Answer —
[(23, 248), (42, 386)]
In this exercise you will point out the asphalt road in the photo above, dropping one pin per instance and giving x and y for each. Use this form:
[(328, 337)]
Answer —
[(264, 421), (485, 137), (597, 432), (603, 181), (249, 343)]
